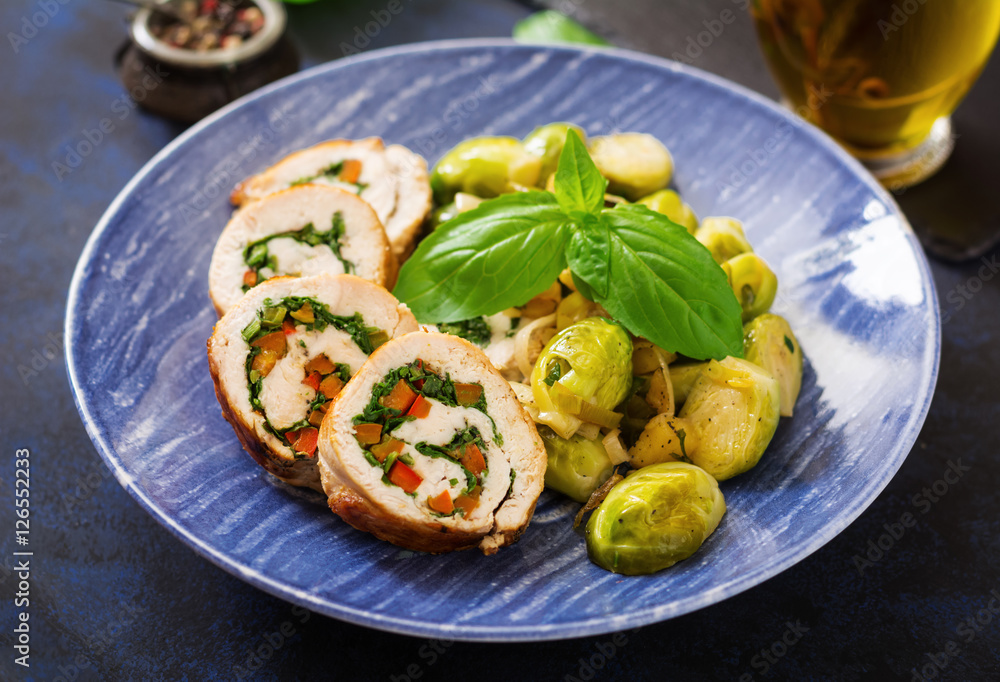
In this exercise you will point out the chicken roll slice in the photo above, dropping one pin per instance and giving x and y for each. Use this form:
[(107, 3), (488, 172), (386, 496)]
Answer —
[(413, 199), (392, 179), (281, 354), (428, 448), (302, 231)]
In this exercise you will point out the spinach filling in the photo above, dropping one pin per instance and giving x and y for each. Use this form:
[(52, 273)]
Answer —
[(454, 450), (257, 257), (267, 337), (474, 330), (424, 383), (331, 173), (432, 386)]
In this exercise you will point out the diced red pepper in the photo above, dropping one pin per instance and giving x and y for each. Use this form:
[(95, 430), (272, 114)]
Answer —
[(250, 278), (400, 397), (304, 440), (264, 362), (288, 326), (472, 459), (405, 477), (468, 394), (273, 342), (368, 434), (350, 171), (331, 386), (420, 408), (321, 364), (383, 450), (468, 502), (441, 503), (312, 380)]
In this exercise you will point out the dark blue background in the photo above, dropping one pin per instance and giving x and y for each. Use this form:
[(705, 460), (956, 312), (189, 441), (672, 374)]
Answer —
[(114, 596)]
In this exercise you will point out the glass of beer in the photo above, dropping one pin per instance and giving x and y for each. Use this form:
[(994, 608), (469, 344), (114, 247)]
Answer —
[(882, 77)]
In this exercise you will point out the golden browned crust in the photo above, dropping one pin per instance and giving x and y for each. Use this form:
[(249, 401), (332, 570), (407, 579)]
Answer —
[(362, 514), (361, 501), (300, 472), (240, 195)]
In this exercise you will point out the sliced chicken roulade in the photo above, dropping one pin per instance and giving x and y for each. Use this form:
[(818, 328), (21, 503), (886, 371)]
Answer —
[(302, 231), (281, 354), (428, 448), (393, 180)]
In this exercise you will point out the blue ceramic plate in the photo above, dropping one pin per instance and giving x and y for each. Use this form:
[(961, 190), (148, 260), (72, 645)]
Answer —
[(854, 285)]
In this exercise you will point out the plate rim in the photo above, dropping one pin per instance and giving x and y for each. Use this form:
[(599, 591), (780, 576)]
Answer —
[(504, 633)]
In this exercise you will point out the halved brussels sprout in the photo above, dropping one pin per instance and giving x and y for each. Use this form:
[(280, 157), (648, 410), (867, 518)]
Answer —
[(683, 377), (547, 143), (734, 405), (577, 466), (635, 164), (724, 237), (669, 203), (665, 439), (657, 516), (768, 342), (753, 282), (583, 372), (485, 167)]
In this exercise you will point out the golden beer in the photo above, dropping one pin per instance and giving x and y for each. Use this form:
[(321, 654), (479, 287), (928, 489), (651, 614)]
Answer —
[(878, 75)]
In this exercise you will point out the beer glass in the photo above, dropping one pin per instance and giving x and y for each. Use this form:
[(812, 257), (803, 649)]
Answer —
[(882, 77)]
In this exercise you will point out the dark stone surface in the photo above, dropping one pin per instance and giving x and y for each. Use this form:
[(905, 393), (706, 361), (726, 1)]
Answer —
[(115, 596)]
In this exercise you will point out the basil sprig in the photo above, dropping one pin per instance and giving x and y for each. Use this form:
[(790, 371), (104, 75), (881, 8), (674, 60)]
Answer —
[(648, 272)]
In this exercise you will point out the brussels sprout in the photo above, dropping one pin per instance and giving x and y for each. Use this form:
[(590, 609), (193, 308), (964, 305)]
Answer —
[(583, 371), (668, 202), (635, 164), (574, 308), (665, 439), (443, 214), (734, 405), (577, 466), (657, 516), (547, 144), (485, 167), (683, 377), (768, 342), (724, 237), (753, 282)]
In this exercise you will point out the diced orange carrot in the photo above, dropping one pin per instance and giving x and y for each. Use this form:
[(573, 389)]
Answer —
[(441, 503), (321, 364), (312, 380), (350, 171), (250, 278), (264, 362), (383, 450), (420, 408), (288, 326), (400, 397), (472, 459), (405, 477), (273, 342), (316, 417), (468, 394), (331, 386), (468, 502), (304, 440), (368, 434)]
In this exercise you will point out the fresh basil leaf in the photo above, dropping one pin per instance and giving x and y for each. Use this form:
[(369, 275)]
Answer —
[(665, 286), (498, 255), (550, 26), (579, 185), (589, 256)]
